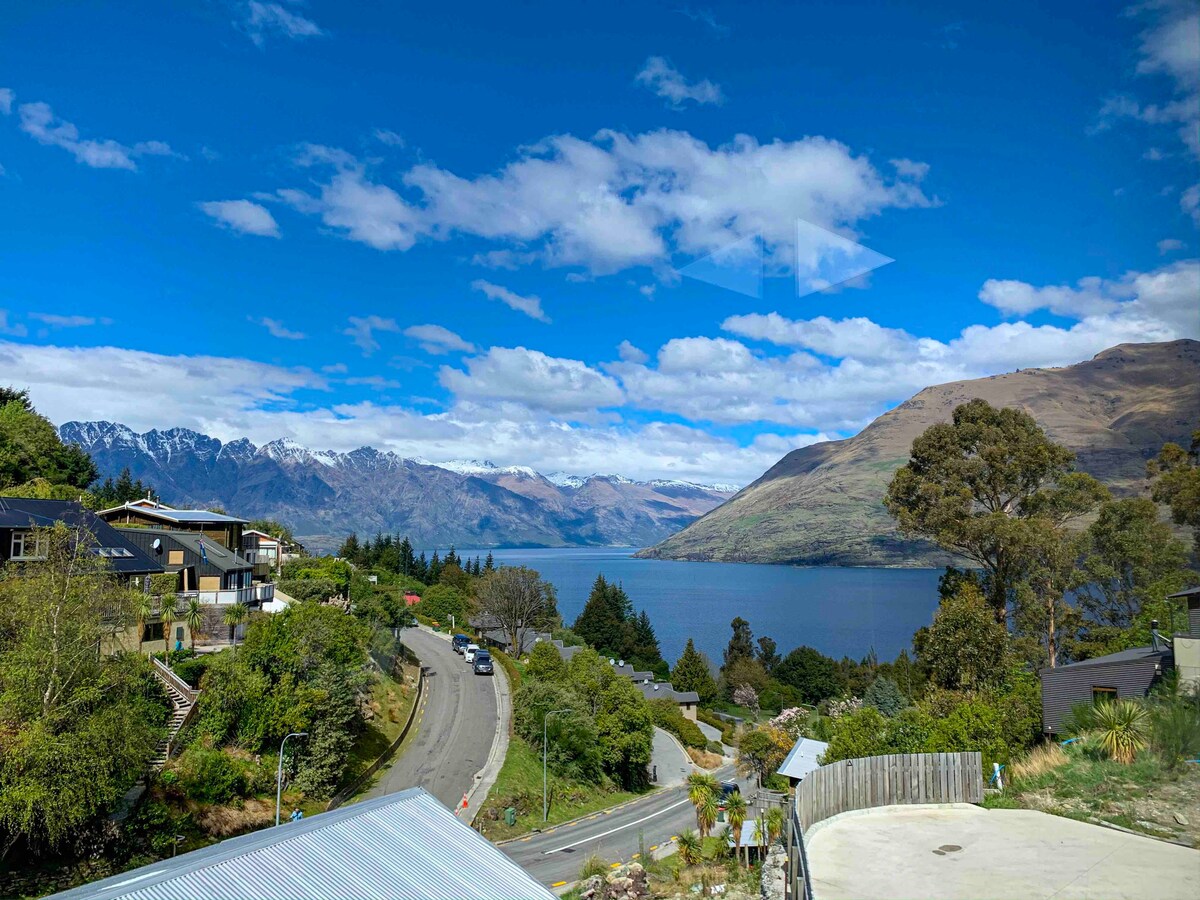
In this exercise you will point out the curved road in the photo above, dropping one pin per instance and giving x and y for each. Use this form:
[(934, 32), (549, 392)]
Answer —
[(555, 856), (456, 724)]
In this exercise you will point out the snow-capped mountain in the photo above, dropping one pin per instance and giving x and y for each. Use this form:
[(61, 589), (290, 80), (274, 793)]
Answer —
[(324, 495)]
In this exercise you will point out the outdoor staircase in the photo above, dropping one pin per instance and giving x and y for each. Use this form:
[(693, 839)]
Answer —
[(183, 701)]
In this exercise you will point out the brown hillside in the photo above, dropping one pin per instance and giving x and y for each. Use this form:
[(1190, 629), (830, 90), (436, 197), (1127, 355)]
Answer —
[(822, 505)]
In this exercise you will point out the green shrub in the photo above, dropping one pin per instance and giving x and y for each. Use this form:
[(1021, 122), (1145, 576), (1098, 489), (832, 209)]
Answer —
[(209, 776), (192, 670), (668, 717)]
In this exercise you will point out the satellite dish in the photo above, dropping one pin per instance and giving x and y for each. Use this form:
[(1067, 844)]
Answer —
[(157, 545)]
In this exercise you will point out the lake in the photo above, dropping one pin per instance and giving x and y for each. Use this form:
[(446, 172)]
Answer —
[(839, 611)]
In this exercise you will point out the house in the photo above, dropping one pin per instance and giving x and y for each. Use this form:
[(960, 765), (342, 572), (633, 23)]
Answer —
[(19, 542), (1187, 647), (263, 551), (207, 570), (225, 530), (402, 845), (658, 690), (802, 759), (411, 599), (1129, 673)]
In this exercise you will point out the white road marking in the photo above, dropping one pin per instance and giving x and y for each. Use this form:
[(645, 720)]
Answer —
[(597, 837)]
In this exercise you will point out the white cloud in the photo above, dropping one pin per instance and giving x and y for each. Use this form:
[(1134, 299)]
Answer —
[(40, 123), (629, 353), (16, 329), (389, 138), (668, 82), (869, 366), (1169, 47), (531, 305), (362, 331), (54, 320), (242, 216), (614, 201), (1189, 202), (437, 340), (279, 330), (262, 19), (7, 96), (1169, 245), (532, 380)]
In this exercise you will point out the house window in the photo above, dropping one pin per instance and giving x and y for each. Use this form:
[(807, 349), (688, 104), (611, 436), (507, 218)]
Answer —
[(29, 545), (1103, 694), (152, 631)]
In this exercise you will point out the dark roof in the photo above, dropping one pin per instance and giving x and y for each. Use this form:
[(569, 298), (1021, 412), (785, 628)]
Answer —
[(1134, 653), (402, 846), (168, 514), (219, 557), (1186, 592), (122, 555), (663, 690)]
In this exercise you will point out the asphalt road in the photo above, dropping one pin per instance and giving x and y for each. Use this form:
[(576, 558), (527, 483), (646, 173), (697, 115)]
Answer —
[(556, 855), (454, 732)]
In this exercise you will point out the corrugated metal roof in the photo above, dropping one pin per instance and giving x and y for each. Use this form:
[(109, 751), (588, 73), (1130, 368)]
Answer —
[(1121, 656), (403, 846), (802, 758)]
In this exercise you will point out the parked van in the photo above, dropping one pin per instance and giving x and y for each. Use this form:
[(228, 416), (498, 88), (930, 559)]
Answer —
[(459, 642), (469, 652)]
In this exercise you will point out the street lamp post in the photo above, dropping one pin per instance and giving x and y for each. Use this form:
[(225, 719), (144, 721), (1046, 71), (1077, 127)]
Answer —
[(545, 795), (279, 771)]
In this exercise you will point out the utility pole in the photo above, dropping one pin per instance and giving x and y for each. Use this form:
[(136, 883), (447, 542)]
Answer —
[(279, 771), (545, 795)]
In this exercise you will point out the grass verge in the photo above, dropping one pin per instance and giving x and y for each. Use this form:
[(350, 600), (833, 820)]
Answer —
[(1145, 795), (519, 786), (391, 701)]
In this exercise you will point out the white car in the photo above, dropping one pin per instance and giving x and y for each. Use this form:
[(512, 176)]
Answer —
[(469, 653)]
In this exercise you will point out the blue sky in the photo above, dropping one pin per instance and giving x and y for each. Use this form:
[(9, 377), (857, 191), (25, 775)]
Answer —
[(454, 231)]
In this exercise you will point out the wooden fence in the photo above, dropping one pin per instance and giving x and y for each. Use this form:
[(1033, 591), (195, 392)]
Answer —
[(892, 779)]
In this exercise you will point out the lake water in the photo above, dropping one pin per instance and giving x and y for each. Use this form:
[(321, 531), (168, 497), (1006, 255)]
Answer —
[(839, 611)]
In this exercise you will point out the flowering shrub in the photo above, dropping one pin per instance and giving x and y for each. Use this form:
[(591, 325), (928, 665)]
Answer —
[(792, 721), (839, 708)]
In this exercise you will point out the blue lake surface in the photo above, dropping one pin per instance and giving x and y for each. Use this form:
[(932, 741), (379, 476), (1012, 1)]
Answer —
[(839, 611)]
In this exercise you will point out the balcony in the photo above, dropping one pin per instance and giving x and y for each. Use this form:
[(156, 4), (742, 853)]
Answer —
[(264, 593), (227, 597)]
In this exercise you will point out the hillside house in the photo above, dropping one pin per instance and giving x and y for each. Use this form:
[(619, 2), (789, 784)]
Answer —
[(263, 551), (1126, 674), (223, 529), (19, 542)]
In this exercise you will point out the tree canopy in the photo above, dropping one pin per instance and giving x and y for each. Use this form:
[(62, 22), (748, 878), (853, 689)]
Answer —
[(972, 484)]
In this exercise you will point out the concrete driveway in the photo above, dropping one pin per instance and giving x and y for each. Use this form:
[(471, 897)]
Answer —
[(968, 853)]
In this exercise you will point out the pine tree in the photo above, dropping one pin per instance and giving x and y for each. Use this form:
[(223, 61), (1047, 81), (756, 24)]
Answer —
[(600, 623), (407, 563), (489, 564), (421, 569), (350, 549), (741, 644), (691, 673), (435, 569)]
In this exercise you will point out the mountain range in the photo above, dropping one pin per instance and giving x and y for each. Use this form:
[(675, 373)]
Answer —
[(324, 495), (823, 504)]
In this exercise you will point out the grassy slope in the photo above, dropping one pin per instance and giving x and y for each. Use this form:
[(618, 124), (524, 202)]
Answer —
[(1144, 796), (520, 785)]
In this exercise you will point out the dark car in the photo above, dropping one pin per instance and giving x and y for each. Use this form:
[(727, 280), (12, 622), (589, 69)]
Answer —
[(728, 788), (483, 663), (459, 642)]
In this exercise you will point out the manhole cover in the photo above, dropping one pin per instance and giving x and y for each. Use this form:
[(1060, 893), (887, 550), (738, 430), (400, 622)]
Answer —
[(950, 848)]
